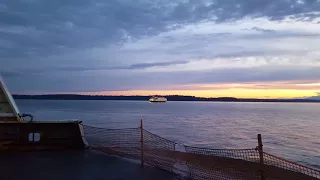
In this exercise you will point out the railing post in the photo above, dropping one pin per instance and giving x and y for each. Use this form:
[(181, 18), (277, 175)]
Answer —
[(142, 143), (260, 149)]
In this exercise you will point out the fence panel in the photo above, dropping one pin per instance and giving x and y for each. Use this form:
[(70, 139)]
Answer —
[(122, 142), (223, 163), (202, 163), (158, 151), (278, 168)]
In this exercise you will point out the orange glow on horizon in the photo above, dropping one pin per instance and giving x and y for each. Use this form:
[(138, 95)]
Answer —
[(285, 89), (238, 93)]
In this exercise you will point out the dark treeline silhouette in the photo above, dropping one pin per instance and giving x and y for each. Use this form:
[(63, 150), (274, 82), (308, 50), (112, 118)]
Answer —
[(146, 98)]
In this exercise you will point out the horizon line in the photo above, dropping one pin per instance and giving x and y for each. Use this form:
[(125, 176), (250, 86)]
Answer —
[(100, 95)]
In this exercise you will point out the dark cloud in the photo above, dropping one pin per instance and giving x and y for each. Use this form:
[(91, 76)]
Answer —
[(44, 27), (157, 64), (263, 30), (270, 33), (113, 80), (254, 74), (36, 35), (245, 53), (41, 71)]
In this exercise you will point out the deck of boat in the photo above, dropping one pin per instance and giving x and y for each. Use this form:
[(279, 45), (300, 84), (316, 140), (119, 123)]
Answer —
[(80, 165)]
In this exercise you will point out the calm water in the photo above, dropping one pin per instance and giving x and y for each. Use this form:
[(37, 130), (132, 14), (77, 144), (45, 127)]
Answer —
[(288, 130)]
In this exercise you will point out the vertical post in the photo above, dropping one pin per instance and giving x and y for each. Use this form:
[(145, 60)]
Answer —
[(260, 149), (141, 141)]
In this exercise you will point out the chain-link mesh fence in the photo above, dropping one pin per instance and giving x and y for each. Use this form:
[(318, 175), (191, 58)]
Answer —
[(277, 168), (158, 151), (202, 163), (122, 142), (223, 163)]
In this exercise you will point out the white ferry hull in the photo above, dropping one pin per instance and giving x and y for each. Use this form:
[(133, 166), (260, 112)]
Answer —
[(157, 99)]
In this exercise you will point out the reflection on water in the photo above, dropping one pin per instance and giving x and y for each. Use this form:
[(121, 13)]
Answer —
[(289, 130)]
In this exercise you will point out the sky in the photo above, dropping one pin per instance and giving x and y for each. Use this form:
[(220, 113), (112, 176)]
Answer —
[(206, 48)]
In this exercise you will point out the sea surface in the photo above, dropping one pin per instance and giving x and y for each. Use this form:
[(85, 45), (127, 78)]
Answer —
[(289, 130)]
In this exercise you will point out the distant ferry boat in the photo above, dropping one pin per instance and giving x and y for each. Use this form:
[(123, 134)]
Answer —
[(158, 99)]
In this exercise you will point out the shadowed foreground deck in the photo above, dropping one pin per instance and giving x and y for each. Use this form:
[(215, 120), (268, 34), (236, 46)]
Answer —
[(51, 150), (79, 165)]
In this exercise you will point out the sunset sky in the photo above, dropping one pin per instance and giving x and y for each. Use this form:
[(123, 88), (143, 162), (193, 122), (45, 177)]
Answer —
[(207, 48)]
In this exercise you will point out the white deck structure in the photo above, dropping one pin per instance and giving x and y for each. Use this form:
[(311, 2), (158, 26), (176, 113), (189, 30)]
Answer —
[(8, 109)]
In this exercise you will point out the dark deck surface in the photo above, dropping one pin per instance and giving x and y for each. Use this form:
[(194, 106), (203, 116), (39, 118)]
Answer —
[(78, 165)]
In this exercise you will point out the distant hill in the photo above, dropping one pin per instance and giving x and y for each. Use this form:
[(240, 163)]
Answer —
[(146, 98), (315, 97)]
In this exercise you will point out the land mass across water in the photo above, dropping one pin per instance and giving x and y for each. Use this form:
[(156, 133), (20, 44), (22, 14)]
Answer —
[(146, 98)]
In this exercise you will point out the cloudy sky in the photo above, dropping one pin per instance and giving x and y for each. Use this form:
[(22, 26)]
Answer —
[(240, 48)]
